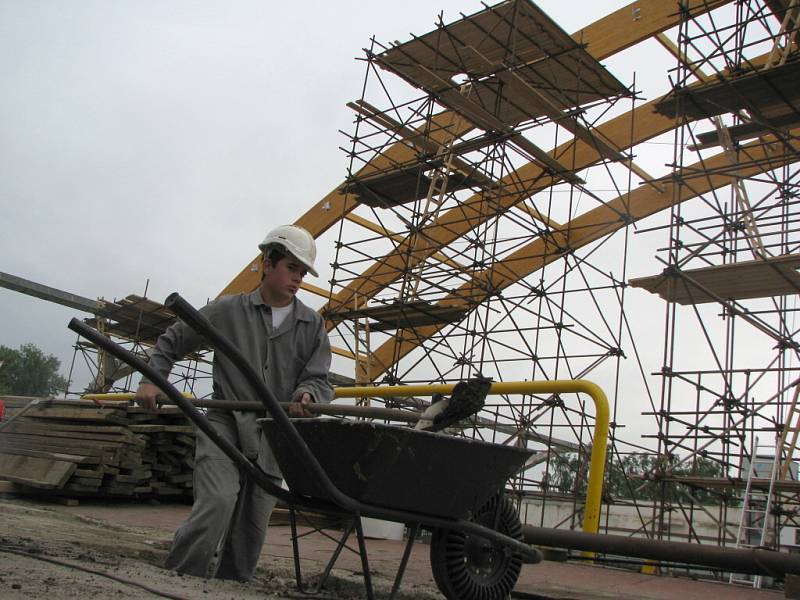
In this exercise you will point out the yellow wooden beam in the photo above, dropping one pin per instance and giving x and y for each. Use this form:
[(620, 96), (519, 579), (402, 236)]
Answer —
[(635, 23), (310, 287), (681, 56), (373, 227), (607, 36), (537, 214), (380, 230), (601, 222), (342, 352)]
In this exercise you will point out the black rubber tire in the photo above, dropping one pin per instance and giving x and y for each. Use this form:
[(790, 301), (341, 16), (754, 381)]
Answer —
[(466, 567)]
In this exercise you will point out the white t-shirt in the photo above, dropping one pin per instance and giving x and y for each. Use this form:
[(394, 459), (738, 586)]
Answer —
[(279, 314)]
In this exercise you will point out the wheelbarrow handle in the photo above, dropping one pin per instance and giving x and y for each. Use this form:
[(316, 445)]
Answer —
[(251, 468), (197, 321)]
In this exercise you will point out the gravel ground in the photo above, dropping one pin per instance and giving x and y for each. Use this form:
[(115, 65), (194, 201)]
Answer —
[(48, 552)]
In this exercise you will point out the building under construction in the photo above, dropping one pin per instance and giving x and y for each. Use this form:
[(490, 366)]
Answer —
[(528, 204)]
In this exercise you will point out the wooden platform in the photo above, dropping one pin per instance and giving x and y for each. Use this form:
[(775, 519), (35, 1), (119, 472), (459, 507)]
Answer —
[(764, 93), (133, 318), (404, 184), (737, 281), (514, 35), (403, 316)]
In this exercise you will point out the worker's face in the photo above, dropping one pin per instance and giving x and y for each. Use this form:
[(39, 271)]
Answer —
[(284, 278)]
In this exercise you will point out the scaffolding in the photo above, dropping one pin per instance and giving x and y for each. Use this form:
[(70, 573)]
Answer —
[(486, 227), (472, 250), (729, 278), (462, 255), (135, 322)]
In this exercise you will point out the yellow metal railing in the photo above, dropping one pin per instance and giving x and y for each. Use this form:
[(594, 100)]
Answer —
[(594, 493)]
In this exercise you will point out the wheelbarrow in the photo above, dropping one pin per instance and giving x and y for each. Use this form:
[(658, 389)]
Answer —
[(451, 486)]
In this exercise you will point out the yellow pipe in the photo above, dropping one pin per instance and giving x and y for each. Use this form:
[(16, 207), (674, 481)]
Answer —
[(594, 492), (122, 396), (597, 464)]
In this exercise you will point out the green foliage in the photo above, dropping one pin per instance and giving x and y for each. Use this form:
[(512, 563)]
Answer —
[(29, 372), (636, 476)]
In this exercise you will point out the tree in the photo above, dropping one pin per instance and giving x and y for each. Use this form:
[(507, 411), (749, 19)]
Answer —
[(29, 372), (635, 476)]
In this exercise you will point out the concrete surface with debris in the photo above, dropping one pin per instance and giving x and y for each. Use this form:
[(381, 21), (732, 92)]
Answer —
[(104, 550)]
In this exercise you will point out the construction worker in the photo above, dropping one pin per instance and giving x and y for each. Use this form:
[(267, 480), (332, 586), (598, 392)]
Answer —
[(287, 342)]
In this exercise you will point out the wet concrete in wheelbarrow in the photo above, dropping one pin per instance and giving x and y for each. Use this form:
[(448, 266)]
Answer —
[(73, 551)]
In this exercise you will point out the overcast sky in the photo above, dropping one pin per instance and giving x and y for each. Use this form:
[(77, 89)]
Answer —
[(159, 141)]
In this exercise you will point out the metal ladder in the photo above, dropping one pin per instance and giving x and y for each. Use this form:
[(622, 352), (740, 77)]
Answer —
[(434, 199), (755, 517)]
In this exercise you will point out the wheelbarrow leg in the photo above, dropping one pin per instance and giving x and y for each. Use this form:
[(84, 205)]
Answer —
[(339, 547), (298, 576), (412, 535), (362, 548), (331, 562)]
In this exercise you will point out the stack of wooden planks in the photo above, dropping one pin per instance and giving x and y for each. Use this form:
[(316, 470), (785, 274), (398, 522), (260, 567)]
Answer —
[(75, 448)]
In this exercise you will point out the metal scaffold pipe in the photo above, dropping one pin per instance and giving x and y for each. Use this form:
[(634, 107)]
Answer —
[(751, 560)]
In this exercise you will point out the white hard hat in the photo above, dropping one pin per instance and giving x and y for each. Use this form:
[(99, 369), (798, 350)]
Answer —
[(297, 241)]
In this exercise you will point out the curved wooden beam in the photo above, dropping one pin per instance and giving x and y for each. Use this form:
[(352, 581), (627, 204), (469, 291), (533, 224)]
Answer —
[(596, 224), (605, 37)]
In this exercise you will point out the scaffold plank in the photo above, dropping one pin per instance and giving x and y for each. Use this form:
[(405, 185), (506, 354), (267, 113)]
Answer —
[(407, 315), (133, 318), (405, 184), (765, 278), (762, 92), (603, 38), (515, 32)]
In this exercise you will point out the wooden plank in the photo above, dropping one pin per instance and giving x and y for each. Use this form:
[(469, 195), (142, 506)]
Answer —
[(89, 474), (76, 427), (79, 414), (36, 472), (147, 428), (75, 458), (144, 476), (45, 440), (44, 430), (179, 428), (87, 481), (763, 278), (13, 441)]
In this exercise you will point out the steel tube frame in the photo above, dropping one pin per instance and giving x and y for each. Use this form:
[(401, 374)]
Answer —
[(752, 560)]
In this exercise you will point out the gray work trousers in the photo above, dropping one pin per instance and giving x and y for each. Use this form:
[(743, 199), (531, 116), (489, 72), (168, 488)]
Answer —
[(224, 533)]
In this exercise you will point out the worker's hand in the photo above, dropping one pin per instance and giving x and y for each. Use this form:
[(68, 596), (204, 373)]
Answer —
[(147, 395), (299, 406)]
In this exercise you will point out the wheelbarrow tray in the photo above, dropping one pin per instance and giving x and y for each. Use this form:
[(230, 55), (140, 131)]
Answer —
[(397, 467)]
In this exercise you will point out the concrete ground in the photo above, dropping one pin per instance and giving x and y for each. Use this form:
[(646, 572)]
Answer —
[(549, 579), (131, 540)]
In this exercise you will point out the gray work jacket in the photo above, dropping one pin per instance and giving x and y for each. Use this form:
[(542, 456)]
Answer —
[(293, 359)]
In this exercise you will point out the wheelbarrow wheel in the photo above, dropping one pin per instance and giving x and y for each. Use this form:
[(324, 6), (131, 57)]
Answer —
[(467, 567)]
